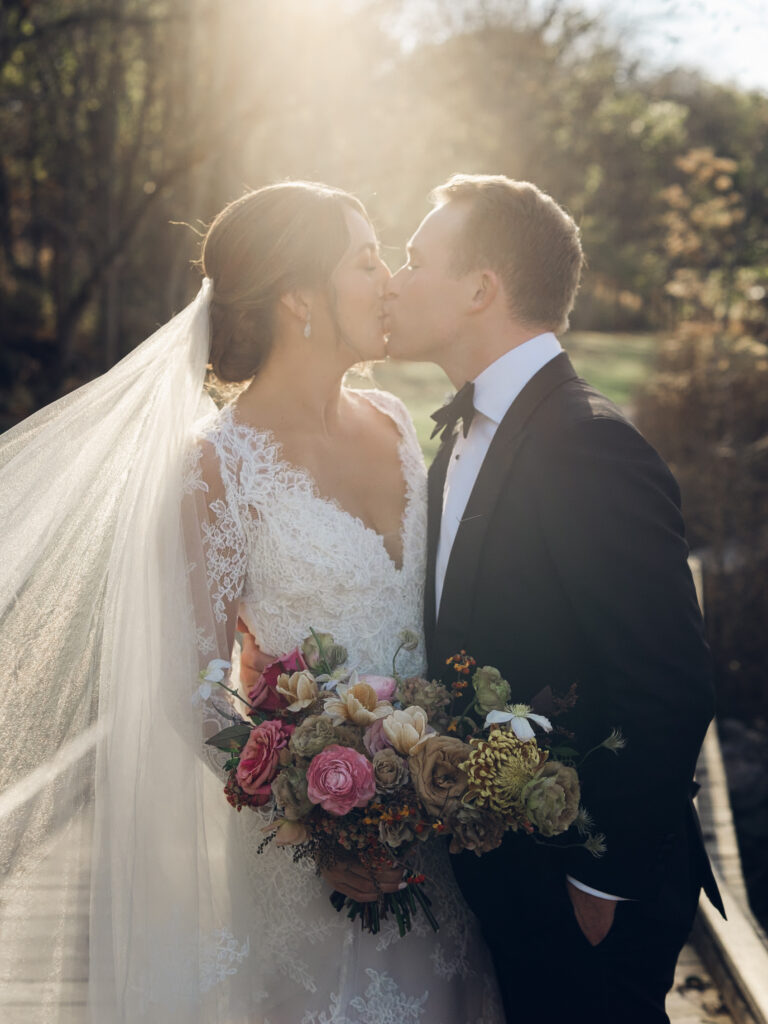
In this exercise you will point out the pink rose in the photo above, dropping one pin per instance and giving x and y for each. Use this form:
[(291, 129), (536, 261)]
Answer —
[(264, 694), (384, 686), (259, 759), (374, 737), (339, 779)]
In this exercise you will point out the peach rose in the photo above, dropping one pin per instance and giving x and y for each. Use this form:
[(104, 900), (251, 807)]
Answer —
[(260, 758), (437, 778)]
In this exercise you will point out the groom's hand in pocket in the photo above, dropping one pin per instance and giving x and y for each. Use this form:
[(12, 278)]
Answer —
[(358, 881), (253, 660), (594, 915)]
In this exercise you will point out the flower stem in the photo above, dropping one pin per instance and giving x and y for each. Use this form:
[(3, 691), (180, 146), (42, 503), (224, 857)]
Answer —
[(236, 694)]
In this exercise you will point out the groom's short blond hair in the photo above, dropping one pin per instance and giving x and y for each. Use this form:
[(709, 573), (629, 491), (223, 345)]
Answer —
[(519, 232)]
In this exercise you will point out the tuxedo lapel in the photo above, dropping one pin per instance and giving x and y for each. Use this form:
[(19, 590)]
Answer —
[(460, 578)]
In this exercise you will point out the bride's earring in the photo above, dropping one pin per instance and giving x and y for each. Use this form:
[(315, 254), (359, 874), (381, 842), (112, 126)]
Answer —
[(308, 327)]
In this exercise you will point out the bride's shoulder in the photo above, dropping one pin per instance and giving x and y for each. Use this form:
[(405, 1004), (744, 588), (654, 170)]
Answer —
[(231, 454), (213, 448), (387, 402)]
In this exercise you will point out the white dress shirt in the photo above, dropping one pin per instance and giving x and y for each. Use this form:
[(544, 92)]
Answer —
[(496, 388)]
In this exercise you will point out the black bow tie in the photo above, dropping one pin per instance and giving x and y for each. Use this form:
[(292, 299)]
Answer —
[(460, 407)]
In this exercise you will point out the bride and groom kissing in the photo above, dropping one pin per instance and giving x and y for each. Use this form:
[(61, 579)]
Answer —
[(555, 550), (546, 540)]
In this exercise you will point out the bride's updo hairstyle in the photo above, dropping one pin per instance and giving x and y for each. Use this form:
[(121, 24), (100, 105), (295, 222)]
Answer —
[(261, 246)]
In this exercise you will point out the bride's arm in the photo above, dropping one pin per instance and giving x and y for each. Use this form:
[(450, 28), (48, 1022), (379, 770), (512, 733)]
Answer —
[(216, 554)]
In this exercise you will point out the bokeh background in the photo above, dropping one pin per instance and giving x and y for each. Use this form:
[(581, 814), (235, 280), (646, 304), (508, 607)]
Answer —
[(125, 125)]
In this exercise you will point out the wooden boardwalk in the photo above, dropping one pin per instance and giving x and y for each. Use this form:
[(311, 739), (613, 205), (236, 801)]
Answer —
[(58, 891), (51, 914)]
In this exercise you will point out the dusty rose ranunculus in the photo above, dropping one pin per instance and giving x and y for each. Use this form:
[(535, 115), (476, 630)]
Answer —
[(384, 686), (339, 778), (260, 757), (264, 694)]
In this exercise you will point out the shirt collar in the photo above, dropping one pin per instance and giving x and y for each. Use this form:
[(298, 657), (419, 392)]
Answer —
[(499, 384)]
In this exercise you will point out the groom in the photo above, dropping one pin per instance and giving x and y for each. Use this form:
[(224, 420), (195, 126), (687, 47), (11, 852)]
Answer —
[(556, 552)]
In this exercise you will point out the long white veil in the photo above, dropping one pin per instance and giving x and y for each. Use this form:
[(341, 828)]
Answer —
[(118, 891)]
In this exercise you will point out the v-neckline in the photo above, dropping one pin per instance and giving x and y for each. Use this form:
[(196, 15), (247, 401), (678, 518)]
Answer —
[(304, 472)]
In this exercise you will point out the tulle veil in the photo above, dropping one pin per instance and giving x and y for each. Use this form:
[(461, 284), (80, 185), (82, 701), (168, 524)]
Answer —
[(118, 888)]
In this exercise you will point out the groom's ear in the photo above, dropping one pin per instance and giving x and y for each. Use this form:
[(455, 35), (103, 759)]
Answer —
[(484, 288)]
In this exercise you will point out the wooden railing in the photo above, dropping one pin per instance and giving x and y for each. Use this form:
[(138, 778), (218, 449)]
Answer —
[(735, 951)]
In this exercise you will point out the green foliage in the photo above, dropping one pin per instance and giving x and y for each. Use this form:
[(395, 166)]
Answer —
[(706, 408), (123, 121)]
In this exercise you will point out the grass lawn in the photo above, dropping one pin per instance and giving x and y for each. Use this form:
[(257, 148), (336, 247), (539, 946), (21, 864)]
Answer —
[(614, 363)]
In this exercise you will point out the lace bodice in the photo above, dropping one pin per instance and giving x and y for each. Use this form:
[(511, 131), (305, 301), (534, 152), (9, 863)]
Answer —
[(285, 559), (299, 560)]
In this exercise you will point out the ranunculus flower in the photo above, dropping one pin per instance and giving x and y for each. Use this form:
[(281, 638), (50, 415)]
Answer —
[(491, 691), (348, 735), (474, 829), (290, 791), (551, 799), (264, 694), (437, 778), (299, 689), (424, 693), (406, 728), (389, 770), (384, 686), (313, 735), (357, 703), (375, 739), (339, 779), (259, 759)]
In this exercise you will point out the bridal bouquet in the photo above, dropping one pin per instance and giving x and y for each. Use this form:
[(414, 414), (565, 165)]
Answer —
[(368, 766)]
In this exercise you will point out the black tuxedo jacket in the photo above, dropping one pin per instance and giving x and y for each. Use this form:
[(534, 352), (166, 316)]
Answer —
[(570, 565)]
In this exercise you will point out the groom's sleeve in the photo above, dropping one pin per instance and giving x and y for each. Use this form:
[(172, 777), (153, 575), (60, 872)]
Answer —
[(610, 513)]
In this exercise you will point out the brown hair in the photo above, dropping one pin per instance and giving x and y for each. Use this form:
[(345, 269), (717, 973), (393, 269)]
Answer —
[(266, 243), (521, 233)]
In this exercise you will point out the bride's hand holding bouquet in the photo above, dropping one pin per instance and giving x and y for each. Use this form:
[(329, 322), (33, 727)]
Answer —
[(360, 769)]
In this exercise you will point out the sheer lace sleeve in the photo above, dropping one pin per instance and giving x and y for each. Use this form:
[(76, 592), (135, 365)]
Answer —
[(216, 564)]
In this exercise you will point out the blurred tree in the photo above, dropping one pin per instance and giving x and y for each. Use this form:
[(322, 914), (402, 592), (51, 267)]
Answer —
[(706, 409), (124, 119)]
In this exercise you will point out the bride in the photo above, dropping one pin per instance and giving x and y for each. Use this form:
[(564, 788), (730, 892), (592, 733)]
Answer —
[(145, 521)]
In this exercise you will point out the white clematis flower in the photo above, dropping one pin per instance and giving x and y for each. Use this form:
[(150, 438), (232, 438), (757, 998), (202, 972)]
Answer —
[(204, 691), (216, 670), (519, 718)]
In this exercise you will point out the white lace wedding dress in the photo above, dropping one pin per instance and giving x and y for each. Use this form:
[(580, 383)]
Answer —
[(294, 559)]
